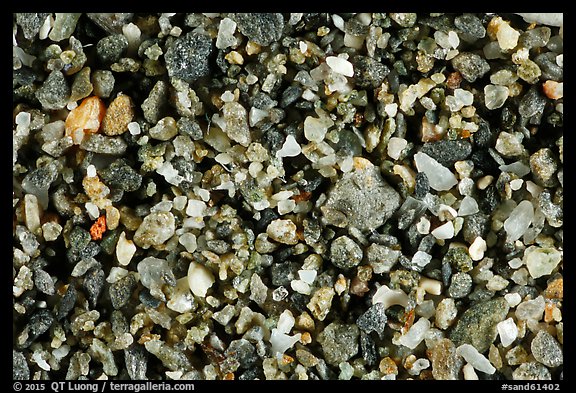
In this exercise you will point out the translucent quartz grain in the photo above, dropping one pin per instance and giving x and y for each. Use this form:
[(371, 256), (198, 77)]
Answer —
[(475, 358), (519, 220), (439, 177), (416, 334), (508, 331)]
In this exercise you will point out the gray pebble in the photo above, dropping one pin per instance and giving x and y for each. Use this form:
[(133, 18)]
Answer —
[(422, 185), (67, 302), (470, 65), (349, 144), (447, 152), (381, 258), (243, 351), (446, 273), (345, 253), (262, 28), (43, 281), (136, 361), (546, 349), (186, 169), (354, 26), (82, 86), (122, 176), (550, 69), (54, 92), (40, 179), (290, 95), (356, 196), (111, 48), (263, 101), (119, 323), (535, 38), (90, 250), (187, 57), (556, 44), (459, 259), (40, 322), (484, 137), (24, 76), (441, 22), (460, 285), (189, 126), (30, 22), (121, 291), (368, 349), (470, 25), (477, 325), (218, 246), (103, 83), (250, 375), (531, 371), (373, 320), (369, 73), (20, 370), (339, 342), (480, 294), (532, 104), (273, 140), (427, 243), (154, 105), (103, 144), (283, 273), (79, 238), (475, 225), (93, 284), (312, 231)]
